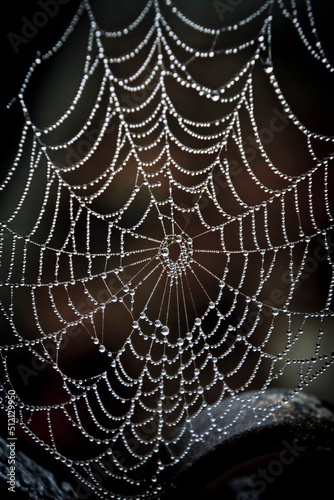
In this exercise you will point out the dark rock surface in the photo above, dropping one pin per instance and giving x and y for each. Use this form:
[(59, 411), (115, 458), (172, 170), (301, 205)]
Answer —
[(32, 481), (289, 454)]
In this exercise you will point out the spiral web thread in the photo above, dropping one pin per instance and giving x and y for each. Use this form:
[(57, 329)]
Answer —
[(154, 256)]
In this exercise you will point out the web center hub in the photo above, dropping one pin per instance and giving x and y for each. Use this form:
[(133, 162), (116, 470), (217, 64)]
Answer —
[(176, 253)]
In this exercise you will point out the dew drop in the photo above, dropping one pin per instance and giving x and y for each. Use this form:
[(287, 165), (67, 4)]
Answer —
[(165, 330), (165, 252), (268, 68)]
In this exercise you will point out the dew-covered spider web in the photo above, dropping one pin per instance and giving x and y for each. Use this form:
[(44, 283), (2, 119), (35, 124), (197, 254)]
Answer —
[(165, 234)]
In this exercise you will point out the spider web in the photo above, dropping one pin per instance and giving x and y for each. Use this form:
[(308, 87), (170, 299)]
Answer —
[(154, 263)]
